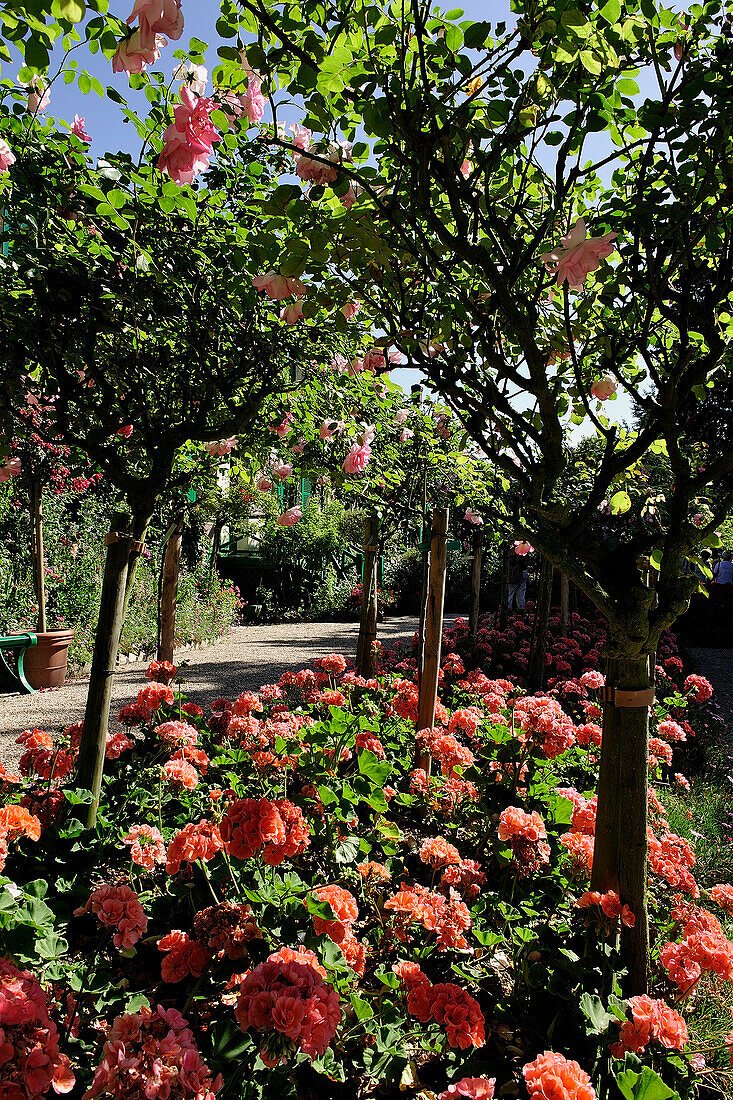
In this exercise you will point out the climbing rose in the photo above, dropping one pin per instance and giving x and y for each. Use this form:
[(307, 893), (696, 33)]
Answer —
[(189, 140), (221, 447), (577, 255), (554, 1077), (292, 314), (157, 17), (252, 101), (291, 517), (7, 157), (12, 466), (357, 459), (282, 471), (131, 57), (350, 310), (78, 130), (39, 96), (523, 548), (477, 1088), (473, 517), (604, 388), (263, 483), (278, 286)]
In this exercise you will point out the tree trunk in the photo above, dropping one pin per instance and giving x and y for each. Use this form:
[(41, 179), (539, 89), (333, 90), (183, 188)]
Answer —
[(106, 645), (620, 852), (433, 620), (564, 605), (504, 590), (39, 557), (424, 582), (536, 677), (215, 537), (139, 528), (365, 655), (476, 584), (169, 592)]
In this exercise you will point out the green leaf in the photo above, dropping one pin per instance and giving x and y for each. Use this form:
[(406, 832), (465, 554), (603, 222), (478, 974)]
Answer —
[(620, 503), (590, 62), (73, 10), (373, 768), (611, 11), (594, 1011), (646, 1085)]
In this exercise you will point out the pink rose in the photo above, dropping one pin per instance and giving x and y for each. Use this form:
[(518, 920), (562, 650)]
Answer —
[(577, 255), (465, 169), (292, 314), (157, 17), (282, 471), (473, 517), (10, 469), (78, 130), (330, 428), (523, 548), (252, 101), (357, 459), (193, 76), (604, 387), (405, 434), (263, 483), (39, 97), (301, 136), (314, 171), (375, 361), (291, 517), (7, 157), (131, 57), (220, 447), (278, 286), (350, 310), (401, 416)]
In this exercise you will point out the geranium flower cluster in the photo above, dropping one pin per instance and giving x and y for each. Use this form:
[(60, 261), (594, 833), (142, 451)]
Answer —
[(15, 822), (340, 927), (448, 918), (526, 835), (703, 947), (196, 841), (650, 1019), (30, 1060), (146, 845), (543, 721), (155, 1046), (608, 904), (117, 907), (291, 1005), (277, 829), (552, 1076), (452, 1008)]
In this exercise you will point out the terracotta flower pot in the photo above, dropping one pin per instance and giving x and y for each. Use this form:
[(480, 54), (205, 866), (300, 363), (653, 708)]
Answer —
[(45, 663)]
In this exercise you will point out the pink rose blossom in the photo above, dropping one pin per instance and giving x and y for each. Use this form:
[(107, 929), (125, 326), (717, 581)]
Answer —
[(604, 387), (291, 517), (405, 434), (350, 310), (39, 97), (10, 469), (131, 57), (465, 169), (157, 17), (357, 459), (193, 76), (577, 255), (253, 101), (401, 416), (78, 130), (473, 517), (523, 548), (220, 447), (282, 471), (370, 430), (329, 428), (301, 136), (292, 314), (278, 286), (7, 157), (189, 140), (263, 483)]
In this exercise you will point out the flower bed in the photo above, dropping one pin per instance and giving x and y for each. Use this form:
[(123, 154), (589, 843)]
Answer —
[(293, 895)]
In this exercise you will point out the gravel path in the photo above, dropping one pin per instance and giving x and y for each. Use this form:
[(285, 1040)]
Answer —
[(247, 658)]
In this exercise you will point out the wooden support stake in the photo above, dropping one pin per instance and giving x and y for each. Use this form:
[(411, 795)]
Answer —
[(365, 655), (40, 558), (106, 646), (433, 620), (169, 592), (476, 583)]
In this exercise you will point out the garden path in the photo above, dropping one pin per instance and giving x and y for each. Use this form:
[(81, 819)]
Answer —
[(247, 658)]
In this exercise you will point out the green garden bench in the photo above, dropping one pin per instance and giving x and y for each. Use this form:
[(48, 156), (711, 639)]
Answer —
[(13, 679)]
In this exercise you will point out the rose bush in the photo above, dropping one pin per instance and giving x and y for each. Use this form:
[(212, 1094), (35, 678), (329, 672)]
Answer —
[(337, 902)]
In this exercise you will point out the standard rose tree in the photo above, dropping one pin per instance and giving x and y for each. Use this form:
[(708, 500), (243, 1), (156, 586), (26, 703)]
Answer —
[(541, 229)]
